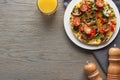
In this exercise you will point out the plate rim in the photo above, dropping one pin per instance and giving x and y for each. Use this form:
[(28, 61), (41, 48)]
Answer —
[(74, 39)]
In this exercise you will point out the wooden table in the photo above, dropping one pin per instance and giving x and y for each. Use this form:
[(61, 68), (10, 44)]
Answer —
[(35, 47)]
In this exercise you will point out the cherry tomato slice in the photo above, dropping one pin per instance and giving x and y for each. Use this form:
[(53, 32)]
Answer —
[(88, 4), (81, 28), (83, 8), (101, 30), (93, 32), (113, 22), (112, 27), (104, 30), (76, 21), (87, 30), (99, 3)]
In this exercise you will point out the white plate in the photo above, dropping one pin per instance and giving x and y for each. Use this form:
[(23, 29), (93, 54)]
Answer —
[(73, 38)]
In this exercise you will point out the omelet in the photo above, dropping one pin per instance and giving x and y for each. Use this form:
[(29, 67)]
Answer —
[(93, 22)]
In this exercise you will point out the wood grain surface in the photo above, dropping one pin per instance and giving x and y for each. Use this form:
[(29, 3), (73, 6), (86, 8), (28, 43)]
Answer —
[(35, 47)]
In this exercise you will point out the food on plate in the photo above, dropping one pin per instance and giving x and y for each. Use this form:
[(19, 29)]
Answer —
[(93, 22)]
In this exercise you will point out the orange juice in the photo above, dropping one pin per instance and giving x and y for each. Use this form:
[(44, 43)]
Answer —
[(47, 6)]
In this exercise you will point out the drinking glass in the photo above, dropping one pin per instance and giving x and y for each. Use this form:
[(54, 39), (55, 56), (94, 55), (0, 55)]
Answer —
[(47, 7)]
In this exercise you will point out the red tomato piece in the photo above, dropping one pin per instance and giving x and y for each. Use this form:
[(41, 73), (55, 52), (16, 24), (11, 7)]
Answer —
[(82, 28), (99, 3), (101, 30), (83, 8), (104, 30), (76, 21), (87, 30), (113, 22), (88, 4), (112, 27), (93, 32)]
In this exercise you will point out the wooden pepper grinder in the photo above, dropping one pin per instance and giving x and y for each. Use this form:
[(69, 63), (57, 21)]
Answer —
[(114, 64), (92, 71)]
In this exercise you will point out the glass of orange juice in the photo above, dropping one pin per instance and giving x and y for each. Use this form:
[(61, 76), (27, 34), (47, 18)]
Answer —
[(47, 7)]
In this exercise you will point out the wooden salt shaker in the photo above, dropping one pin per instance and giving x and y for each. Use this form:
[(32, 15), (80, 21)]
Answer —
[(92, 71), (114, 64)]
